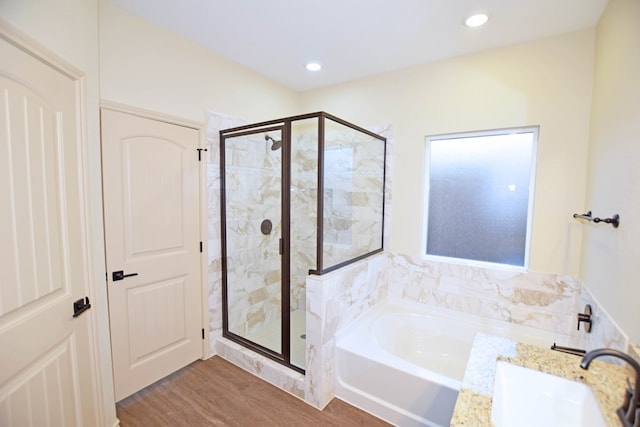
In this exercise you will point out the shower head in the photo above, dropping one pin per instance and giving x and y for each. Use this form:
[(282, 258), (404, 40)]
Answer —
[(275, 144)]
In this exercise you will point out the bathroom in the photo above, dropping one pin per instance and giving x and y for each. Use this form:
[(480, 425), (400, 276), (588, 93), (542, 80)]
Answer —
[(586, 158)]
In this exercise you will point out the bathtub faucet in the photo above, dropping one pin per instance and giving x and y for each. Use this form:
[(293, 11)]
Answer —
[(629, 412)]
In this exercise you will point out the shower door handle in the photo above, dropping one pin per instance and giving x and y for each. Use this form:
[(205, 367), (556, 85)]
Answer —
[(281, 246)]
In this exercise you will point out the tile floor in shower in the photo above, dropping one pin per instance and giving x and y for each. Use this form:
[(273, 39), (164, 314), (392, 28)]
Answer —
[(269, 336)]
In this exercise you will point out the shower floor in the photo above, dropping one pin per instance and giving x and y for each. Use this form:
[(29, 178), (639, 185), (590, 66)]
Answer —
[(269, 336)]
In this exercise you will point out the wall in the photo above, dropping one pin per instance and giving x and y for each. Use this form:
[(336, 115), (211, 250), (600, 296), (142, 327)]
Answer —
[(546, 82), (149, 67), (610, 256), (69, 29)]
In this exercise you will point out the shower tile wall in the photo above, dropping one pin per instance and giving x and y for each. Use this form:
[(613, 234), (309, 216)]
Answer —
[(352, 165), (253, 194), (304, 207), (215, 122)]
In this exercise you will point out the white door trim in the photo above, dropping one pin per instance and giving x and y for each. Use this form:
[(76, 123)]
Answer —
[(203, 220), (94, 224)]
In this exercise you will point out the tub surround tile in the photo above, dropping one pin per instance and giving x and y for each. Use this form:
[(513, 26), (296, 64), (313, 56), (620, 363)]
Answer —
[(548, 302), (473, 407), (604, 331), (334, 300)]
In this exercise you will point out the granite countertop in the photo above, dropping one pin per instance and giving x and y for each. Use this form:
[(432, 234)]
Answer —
[(473, 407)]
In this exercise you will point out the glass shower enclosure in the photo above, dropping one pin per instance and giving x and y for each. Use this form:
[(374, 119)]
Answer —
[(276, 177)]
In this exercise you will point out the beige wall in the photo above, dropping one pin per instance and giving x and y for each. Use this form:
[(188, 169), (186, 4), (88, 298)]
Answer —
[(145, 66), (611, 257), (546, 83), (69, 29)]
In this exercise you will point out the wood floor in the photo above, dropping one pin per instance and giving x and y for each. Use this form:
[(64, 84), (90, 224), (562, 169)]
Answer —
[(215, 392)]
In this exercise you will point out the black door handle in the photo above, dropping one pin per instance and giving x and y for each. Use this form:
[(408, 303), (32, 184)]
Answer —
[(81, 306), (119, 275)]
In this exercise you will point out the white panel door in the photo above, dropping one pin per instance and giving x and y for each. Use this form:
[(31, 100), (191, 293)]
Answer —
[(151, 199), (47, 370)]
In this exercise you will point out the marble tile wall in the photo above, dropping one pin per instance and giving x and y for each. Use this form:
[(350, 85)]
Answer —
[(253, 195), (304, 205), (352, 197), (215, 122), (334, 300), (604, 331), (548, 302)]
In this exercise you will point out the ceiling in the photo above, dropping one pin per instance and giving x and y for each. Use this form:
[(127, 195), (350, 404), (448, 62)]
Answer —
[(357, 38)]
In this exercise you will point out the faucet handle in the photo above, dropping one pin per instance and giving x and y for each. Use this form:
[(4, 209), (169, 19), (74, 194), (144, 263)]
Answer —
[(585, 318)]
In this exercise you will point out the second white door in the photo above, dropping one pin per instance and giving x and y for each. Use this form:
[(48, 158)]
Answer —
[(151, 202)]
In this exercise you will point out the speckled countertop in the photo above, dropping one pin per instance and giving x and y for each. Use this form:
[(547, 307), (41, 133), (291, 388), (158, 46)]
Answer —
[(473, 407)]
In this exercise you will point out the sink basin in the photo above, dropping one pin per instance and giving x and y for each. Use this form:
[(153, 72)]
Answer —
[(524, 397)]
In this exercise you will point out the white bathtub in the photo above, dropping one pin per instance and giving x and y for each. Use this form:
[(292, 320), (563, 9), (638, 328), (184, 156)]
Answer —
[(404, 361)]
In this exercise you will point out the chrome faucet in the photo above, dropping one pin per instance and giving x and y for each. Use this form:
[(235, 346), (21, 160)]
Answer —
[(629, 412)]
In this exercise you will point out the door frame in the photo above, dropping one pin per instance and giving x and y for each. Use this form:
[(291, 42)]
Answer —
[(203, 208), (100, 341)]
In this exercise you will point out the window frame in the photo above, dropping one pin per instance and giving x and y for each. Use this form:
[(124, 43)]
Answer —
[(535, 130)]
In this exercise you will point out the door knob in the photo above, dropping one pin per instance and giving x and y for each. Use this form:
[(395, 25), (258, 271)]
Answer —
[(80, 306), (119, 275)]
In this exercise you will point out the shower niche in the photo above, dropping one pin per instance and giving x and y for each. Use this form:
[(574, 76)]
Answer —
[(300, 195)]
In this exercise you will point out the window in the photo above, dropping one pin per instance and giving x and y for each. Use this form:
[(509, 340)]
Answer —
[(479, 195)]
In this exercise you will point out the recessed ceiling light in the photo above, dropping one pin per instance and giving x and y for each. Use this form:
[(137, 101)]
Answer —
[(476, 20), (313, 66)]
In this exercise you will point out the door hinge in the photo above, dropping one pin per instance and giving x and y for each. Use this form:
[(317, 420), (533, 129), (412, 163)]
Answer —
[(202, 333), (200, 246), (200, 150)]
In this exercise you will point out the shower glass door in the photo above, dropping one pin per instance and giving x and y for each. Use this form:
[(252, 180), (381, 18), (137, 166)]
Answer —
[(251, 183)]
